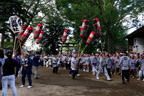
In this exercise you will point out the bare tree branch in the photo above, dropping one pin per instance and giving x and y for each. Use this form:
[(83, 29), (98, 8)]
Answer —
[(34, 12), (104, 4)]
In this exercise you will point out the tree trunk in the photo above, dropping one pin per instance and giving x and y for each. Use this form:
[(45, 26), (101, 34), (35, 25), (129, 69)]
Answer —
[(53, 48), (2, 41), (109, 43), (113, 47)]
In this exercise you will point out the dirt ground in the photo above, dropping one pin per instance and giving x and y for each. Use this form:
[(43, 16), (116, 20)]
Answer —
[(61, 84)]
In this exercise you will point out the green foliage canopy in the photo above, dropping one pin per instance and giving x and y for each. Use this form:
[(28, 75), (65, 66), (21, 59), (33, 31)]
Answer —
[(111, 14)]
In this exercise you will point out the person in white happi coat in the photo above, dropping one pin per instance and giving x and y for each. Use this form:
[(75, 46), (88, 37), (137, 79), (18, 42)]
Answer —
[(102, 67), (141, 71), (133, 66), (74, 66), (98, 59), (86, 62), (117, 63), (94, 63), (108, 62), (69, 62), (125, 63), (59, 62), (64, 60), (55, 65), (81, 61), (114, 58)]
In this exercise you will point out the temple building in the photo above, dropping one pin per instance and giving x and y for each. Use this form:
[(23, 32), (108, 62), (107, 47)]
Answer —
[(136, 41)]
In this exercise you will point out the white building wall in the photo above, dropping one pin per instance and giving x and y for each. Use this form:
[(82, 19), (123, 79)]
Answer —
[(138, 45)]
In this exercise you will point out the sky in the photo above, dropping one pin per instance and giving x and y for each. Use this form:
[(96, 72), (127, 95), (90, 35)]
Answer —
[(140, 18)]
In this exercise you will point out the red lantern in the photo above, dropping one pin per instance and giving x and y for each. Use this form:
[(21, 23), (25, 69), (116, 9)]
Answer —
[(90, 37), (21, 33), (38, 30), (84, 28), (40, 37), (26, 34), (97, 28), (64, 37)]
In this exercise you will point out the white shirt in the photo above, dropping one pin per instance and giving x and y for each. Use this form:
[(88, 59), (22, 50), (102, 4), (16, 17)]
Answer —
[(125, 62), (73, 64)]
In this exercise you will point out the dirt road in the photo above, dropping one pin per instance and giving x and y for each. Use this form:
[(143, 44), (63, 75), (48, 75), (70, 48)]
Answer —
[(61, 84)]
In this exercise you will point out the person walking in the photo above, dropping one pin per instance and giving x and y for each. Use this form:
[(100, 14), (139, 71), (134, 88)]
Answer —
[(84, 62), (36, 60), (102, 67), (94, 63), (125, 63), (109, 65), (64, 60), (114, 58), (9, 69), (74, 66), (133, 66), (117, 63)]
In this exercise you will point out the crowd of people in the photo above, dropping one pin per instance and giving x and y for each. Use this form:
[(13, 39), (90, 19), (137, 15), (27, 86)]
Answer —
[(124, 64), (12, 65)]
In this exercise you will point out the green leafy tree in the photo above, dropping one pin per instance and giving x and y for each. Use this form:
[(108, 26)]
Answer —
[(111, 13), (52, 37), (54, 25)]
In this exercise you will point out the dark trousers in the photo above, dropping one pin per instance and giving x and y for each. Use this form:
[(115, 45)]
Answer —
[(62, 64), (71, 72), (28, 77), (55, 69), (125, 73), (17, 70), (68, 66), (117, 70), (74, 72), (109, 71)]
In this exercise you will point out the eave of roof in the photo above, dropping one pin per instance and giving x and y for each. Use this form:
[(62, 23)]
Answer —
[(138, 33)]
